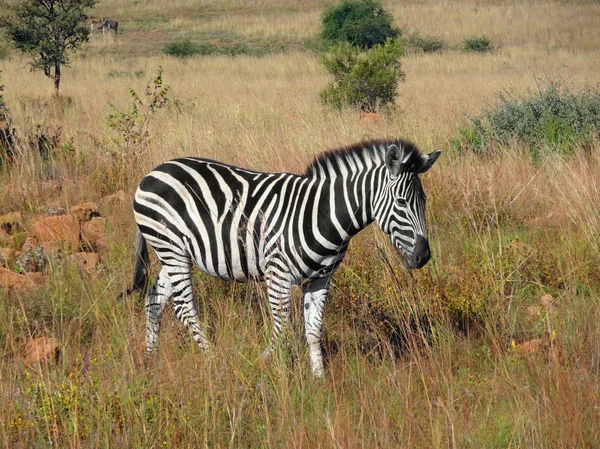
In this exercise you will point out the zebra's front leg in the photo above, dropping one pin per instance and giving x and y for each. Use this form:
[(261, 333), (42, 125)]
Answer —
[(183, 303), (156, 301), (315, 296), (279, 291)]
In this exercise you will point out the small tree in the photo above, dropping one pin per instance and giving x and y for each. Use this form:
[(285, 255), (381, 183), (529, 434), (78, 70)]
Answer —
[(366, 79), (127, 136), (362, 23), (47, 30)]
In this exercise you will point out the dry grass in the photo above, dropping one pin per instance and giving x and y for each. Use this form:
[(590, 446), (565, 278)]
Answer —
[(421, 360)]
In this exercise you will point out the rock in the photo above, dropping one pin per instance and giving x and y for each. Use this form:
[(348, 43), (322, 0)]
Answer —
[(93, 234), (11, 280), (12, 222), (28, 262), (112, 202), (53, 210), (85, 261), (61, 229), (372, 117), (36, 278), (84, 211), (30, 244), (52, 250), (31, 257), (41, 349), (7, 256)]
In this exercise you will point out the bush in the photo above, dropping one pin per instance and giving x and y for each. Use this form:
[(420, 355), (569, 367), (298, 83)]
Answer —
[(361, 23), (478, 44), (4, 51), (181, 49), (186, 49), (553, 117), (426, 44), (364, 79)]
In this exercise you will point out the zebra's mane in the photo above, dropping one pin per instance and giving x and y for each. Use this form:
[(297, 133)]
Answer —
[(367, 148)]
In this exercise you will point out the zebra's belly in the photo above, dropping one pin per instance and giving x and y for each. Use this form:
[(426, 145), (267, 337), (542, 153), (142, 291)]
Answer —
[(241, 261), (233, 275)]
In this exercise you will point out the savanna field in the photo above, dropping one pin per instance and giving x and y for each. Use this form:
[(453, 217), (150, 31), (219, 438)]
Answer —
[(494, 344)]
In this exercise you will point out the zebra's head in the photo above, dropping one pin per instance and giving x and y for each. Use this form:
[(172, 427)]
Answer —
[(400, 207)]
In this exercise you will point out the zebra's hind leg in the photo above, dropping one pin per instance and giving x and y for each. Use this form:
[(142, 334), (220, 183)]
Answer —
[(183, 302), (279, 290), (315, 295), (157, 299)]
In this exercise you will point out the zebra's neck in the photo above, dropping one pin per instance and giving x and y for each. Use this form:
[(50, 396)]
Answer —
[(347, 181)]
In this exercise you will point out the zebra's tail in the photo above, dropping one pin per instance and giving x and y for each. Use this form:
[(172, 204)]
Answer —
[(142, 260)]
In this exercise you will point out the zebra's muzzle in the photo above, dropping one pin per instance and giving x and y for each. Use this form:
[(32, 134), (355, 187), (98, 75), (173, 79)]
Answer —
[(420, 255)]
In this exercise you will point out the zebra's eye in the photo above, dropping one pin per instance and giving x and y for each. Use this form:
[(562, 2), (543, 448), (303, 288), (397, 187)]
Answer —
[(401, 202)]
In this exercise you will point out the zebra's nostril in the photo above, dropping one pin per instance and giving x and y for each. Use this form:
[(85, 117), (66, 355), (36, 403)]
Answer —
[(421, 253)]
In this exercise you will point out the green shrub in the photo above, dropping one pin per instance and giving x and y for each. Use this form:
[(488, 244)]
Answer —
[(181, 49), (241, 48), (426, 44), (480, 44), (186, 49), (4, 51), (362, 23), (363, 79), (551, 118)]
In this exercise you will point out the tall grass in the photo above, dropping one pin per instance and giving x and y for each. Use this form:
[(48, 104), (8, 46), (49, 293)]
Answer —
[(433, 358)]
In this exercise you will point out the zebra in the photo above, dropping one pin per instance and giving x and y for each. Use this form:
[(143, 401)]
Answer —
[(108, 25), (281, 228), (96, 26)]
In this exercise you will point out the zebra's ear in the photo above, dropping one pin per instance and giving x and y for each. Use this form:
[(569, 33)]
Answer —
[(427, 160), (393, 160)]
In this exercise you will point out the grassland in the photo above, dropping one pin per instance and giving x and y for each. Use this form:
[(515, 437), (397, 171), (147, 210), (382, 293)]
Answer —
[(442, 357)]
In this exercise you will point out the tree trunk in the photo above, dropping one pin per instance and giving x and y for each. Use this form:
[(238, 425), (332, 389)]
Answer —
[(56, 77)]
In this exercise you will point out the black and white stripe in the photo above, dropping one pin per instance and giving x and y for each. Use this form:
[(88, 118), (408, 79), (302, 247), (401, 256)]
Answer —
[(108, 25), (281, 228)]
